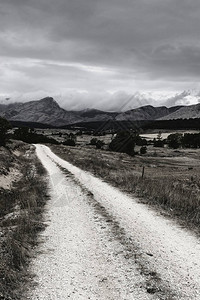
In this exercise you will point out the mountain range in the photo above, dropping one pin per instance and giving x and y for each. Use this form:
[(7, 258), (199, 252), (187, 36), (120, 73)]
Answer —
[(48, 111)]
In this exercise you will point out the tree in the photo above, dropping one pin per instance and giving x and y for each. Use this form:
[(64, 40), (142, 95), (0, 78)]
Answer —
[(28, 135), (159, 136), (140, 141), (124, 142), (158, 142), (174, 140), (23, 134), (4, 127), (191, 140)]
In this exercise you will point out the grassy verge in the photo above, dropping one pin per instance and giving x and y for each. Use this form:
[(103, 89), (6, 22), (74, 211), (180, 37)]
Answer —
[(21, 211), (172, 183)]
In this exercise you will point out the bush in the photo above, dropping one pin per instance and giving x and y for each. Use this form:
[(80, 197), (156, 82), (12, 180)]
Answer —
[(158, 143), (140, 141), (174, 140), (143, 150), (4, 127), (99, 144), (69, 142), (28, 135), (191, 140), (93, 141), (123, 142), (79, 133)]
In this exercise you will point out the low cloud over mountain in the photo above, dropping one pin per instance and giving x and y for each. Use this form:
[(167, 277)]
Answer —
[(84, 52)]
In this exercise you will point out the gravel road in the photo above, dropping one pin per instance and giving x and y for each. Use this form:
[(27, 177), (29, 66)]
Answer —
[(103, 244)]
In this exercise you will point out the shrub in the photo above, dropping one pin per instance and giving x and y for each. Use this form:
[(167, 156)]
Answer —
[(123, 142), (143, 150), (158, 143), (4, 127), (69, 142), (93, 141), (99, 144), (191, 140), (140, 141), (28, 135), (174, 140)]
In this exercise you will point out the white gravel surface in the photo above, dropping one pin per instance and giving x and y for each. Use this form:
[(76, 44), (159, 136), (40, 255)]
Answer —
[(102, 244)]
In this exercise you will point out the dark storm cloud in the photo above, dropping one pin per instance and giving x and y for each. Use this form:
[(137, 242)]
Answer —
[(127, 45)]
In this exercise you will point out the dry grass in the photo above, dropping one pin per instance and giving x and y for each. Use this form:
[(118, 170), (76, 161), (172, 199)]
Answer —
[(20, 222), (171, 180)]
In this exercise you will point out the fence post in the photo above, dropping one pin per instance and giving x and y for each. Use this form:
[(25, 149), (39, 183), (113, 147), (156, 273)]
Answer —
[(143, 172)]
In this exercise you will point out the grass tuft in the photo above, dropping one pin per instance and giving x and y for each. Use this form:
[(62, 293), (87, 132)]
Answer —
[(21, 219)]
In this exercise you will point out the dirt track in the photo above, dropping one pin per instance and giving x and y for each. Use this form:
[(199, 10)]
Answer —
[(102, 244)]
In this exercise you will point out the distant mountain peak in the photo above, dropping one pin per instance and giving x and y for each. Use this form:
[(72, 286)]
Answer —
[(48, 111), (49, 100)]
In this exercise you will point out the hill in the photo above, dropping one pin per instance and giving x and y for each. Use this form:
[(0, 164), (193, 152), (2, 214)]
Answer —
[(185, 112), (47, 111)]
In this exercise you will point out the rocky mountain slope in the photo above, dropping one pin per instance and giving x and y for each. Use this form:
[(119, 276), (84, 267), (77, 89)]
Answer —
[(186, 112), (47, 111), (147, 112)]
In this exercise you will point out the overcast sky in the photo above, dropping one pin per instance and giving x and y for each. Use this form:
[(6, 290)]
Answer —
[(100, 53)]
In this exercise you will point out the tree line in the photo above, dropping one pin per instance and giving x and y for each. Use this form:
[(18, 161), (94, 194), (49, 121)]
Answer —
[(124, 141), (186, 140)]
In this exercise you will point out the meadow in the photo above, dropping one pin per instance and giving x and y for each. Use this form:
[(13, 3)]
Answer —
[(163, 178)]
